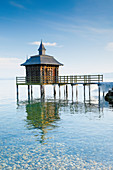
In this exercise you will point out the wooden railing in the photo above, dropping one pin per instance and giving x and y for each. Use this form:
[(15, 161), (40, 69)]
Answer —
[(83, 79)]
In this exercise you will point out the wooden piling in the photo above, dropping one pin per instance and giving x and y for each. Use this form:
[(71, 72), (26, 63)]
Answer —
[(72, 90), (59, 91), (89, 92), (76, 91), (42, 91), (103, 94), (17, 88), (99, 93), (84, 92), (54, 91), (31, 91), (28, 92), (66, 91)]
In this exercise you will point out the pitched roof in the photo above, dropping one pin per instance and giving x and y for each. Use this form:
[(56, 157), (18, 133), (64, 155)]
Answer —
[(41, 60)]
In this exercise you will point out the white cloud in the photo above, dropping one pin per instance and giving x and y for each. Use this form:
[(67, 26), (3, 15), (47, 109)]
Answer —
[(109, 46), (17, 5), (46, 44)]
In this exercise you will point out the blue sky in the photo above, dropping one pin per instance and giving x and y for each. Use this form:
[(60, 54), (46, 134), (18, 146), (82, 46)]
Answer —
[(79, 34)]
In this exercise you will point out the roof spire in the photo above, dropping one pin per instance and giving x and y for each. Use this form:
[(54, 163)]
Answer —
[(41, 49)]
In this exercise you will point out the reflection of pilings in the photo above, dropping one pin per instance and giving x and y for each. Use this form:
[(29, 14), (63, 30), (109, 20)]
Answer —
[(66, 91), (59, 91), (17, 93), (54, 91), (28, 92)]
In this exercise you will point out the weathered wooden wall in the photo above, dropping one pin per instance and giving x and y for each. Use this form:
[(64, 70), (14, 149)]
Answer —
[(42, 73)]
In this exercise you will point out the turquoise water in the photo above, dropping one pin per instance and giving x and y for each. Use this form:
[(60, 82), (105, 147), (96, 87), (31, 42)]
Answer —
[(54, 134)]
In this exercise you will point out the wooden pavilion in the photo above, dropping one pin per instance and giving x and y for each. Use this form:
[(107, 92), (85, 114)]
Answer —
[(42, 68)]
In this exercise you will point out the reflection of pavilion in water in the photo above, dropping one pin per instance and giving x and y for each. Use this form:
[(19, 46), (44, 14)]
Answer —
[(43, 115)]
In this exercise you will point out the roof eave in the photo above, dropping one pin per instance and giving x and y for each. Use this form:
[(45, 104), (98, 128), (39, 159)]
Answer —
[(41, 64)]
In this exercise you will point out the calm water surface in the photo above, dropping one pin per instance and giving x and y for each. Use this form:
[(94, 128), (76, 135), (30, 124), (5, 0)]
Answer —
[(54, 134)]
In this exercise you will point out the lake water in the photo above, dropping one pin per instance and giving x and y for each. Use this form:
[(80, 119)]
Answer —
[(54, 133)]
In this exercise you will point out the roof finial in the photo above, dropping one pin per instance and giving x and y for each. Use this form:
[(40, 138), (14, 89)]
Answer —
[(41, 49)]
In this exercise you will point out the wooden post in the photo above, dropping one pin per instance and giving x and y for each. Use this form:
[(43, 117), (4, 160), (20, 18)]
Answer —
[(89, 92), (99, 94), (17, 93), (84, 92), (59, 91), (76, 91), (28, 92), (54, 91), (66, 91), (42, 91), (103, 94), (72, 90), (31, 92), (103, 89)]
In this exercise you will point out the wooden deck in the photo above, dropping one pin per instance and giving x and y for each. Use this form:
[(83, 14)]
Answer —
[(61, 80)]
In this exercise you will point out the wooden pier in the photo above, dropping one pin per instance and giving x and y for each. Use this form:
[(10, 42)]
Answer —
[(73, 80), (45, 80), (42, 69)]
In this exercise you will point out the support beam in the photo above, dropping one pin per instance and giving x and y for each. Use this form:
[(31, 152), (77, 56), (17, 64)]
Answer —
[(103, 94), (31, 91), (84, 93), (59, 91), (103, 88), (54, 91), (28, 92), (66, 91), (42, 91), (89, 92), (99, 94), (72, 90), (76, 92), (17, 89)]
